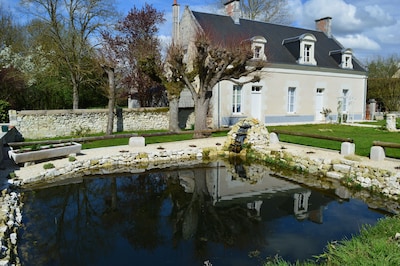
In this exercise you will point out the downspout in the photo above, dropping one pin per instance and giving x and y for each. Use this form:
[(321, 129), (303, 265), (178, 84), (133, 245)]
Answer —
[(219, 105)]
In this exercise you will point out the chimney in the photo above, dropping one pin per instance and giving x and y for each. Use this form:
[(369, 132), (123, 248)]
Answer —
[(232, 9), (175, 21), (324, 25)]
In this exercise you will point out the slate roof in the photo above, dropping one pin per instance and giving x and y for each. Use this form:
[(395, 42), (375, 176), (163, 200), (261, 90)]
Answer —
[(225, 28)]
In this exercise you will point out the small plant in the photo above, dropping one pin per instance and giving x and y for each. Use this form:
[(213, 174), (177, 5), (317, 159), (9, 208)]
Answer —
[(11, 175), (48, 166), (35, 147), (71, 158), (81, 131), (326, 112)]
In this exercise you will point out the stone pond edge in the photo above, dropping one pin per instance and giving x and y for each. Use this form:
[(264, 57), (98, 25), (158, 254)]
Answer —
[(385, 182)]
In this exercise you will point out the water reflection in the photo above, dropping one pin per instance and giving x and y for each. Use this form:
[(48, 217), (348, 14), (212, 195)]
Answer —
[(229, 214)]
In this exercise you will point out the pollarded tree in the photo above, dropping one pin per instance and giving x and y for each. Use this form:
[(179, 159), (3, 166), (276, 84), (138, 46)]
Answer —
[(72, 25), (211, 63)]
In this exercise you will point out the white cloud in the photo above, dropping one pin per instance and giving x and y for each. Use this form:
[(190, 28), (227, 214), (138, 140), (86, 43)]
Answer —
[(358, 41), (379, 15), (369, 27)]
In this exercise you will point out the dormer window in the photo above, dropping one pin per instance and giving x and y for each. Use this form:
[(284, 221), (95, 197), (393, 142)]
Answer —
[(307, 48), (347, 59), (344, 58), (303, 48), (258, 47)]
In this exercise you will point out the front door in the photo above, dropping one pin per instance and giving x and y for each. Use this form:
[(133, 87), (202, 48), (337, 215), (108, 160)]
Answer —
[(256, 103), (319, 105)]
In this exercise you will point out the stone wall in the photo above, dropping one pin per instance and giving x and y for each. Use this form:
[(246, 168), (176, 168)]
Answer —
[(59, 123)]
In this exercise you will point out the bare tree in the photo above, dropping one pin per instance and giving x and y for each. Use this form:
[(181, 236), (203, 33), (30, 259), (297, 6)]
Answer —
[(137, 41), (211, 63), (275, 11), (72, 24)]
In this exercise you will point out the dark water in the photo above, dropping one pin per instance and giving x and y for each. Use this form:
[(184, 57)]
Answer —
[(224, 215)]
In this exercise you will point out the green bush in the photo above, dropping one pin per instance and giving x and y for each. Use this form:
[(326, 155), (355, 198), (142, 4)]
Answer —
[(4, 107)]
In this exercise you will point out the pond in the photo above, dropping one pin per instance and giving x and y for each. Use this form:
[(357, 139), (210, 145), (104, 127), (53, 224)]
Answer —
[(219, 213)]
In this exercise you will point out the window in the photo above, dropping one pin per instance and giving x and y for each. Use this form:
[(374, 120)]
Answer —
[(307, 53), (256, 88), (237, 99), (345, 100), (257, 52), (291, 100)]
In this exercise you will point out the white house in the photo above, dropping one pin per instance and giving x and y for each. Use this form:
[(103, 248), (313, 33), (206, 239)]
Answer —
[(306, 71)]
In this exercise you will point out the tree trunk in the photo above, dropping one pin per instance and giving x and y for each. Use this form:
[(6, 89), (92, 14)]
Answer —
[(173, 114), (201, 105), (75, 93), (111, 99)]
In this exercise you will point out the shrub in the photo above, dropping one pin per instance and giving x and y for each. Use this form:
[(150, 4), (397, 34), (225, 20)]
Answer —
[(48, 166)]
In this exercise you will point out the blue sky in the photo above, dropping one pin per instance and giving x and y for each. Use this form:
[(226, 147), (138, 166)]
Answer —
[(370, 27)]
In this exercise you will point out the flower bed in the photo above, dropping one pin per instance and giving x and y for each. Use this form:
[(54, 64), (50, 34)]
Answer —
[(44, 152)]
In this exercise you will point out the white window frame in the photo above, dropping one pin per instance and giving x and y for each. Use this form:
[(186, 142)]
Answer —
[(291, 100), (237, 99)]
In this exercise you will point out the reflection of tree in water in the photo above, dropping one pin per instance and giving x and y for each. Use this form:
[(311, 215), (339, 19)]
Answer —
[(142, 201), (198, 219), (67, 209)]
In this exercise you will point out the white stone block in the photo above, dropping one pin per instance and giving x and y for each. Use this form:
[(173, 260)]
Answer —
[(347, 148), (137, 142), (377, 153), (273, 138)]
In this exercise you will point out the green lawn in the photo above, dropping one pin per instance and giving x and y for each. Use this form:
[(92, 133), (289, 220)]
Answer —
[(362, 137)]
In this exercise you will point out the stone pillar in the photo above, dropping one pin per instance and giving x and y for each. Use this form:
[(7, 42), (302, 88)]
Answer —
[(372, 108), (391, 122), (347, 148), (137, 142), (377, 153), (12, 117)]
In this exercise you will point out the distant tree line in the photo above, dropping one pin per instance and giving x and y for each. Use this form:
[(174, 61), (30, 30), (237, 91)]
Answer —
[(57, 59), (384, 82)]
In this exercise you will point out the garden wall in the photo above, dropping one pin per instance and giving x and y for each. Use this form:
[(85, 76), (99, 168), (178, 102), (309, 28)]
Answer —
[(58, 123)]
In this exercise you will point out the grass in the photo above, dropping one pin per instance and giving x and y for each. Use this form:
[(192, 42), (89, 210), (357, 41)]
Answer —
[(374, 245), (362, 137), (124, 141)]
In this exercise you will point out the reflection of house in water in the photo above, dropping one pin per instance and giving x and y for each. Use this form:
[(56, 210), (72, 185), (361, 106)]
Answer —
[(269, 196)]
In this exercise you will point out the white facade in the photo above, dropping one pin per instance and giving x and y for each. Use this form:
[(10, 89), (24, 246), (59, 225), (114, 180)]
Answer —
[(291, 96)]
